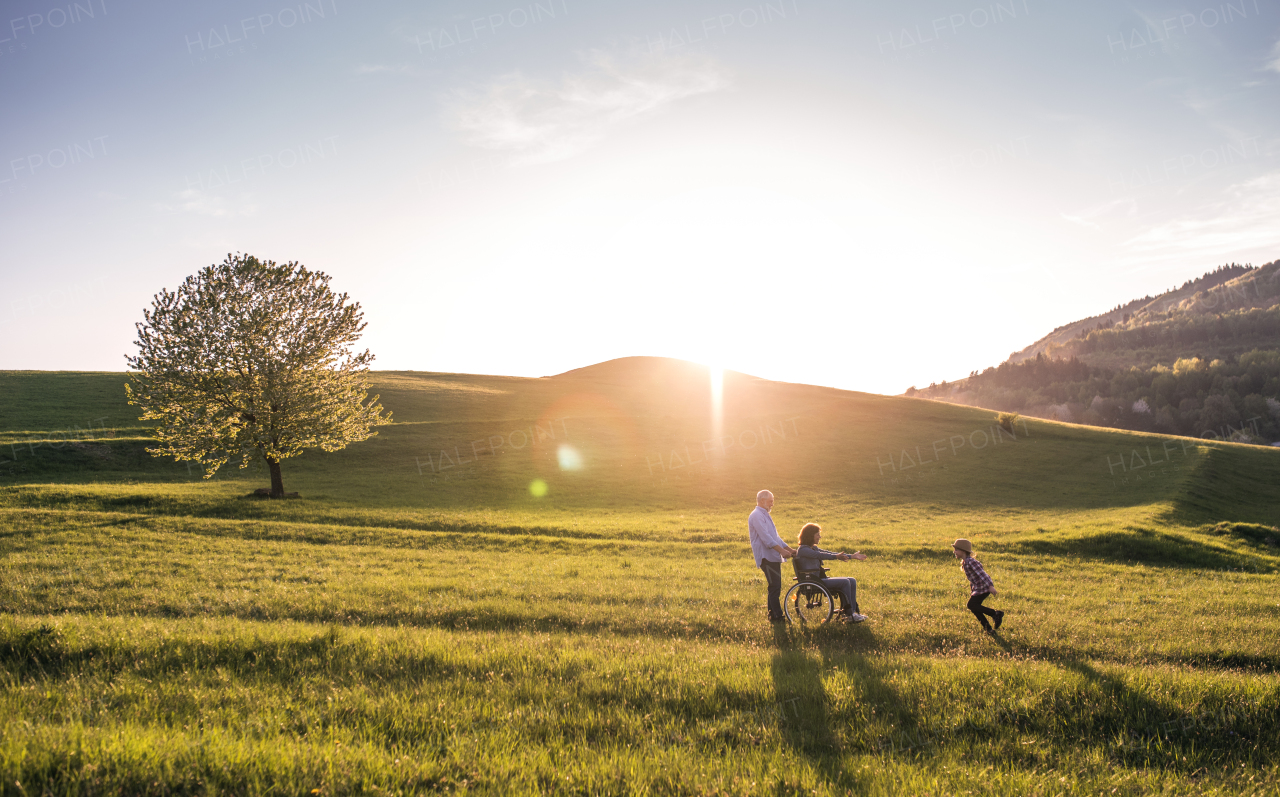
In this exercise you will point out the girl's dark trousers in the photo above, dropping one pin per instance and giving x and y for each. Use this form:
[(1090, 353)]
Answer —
[(975, 606)]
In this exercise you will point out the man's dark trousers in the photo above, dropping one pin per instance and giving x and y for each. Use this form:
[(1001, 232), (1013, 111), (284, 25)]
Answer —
[(773, 575)]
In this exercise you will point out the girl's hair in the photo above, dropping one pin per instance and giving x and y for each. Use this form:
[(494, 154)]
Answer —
[(807, 533)]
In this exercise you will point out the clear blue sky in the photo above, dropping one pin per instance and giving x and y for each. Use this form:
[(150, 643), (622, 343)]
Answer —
[(865, 195)]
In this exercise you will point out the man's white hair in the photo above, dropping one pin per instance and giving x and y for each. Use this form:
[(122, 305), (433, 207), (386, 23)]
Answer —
[(763, 494)]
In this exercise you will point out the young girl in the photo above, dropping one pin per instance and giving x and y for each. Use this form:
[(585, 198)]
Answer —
[(980, 585)]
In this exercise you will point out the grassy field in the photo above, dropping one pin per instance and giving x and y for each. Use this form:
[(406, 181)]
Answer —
[(543, 586)]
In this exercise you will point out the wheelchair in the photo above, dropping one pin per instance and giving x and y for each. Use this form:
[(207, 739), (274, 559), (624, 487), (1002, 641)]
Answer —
[(808, 600)]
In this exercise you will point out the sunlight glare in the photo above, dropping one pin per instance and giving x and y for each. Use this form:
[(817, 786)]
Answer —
[(717, 401), (569, 457)]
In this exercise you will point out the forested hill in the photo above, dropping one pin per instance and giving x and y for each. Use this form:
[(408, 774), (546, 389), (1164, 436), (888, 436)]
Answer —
[(1211, 312), (1200, 360)]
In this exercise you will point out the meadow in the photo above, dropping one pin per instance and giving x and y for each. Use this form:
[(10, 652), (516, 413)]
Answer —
[(544, 586)]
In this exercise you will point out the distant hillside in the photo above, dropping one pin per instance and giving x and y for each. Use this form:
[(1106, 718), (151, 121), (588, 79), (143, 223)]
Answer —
[(603, 440), (1210, 312), (1200, 360)]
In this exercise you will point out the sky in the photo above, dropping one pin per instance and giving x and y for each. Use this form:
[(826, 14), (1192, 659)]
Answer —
[(866, 195)]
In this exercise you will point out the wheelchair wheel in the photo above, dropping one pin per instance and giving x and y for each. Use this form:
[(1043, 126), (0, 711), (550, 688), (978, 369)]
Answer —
[(810, 603)]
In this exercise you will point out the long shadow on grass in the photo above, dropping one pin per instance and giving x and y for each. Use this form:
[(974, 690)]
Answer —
[(1147, 732), (811, 725), (1142, 726), (1230, 483), (1138, 545), (44, 651), (855, 640), (879, 720), (803, 705), (1138, 728), (1264, 538), (894, 724), (361, 531), (1003, 643)]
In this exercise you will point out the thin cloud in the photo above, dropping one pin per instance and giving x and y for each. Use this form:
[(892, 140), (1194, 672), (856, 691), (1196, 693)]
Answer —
[(1085, 218), (375, 69), (1247, 217), (543, 121), (202, 203), (1274, 63)]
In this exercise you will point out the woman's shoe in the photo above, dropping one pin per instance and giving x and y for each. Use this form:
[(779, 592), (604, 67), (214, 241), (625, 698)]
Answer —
[(999, 619)]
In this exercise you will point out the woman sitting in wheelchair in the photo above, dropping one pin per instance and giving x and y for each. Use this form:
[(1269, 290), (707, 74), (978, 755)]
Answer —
[(808, 566)]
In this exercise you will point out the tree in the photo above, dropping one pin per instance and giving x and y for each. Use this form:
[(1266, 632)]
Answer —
[(251, 358)]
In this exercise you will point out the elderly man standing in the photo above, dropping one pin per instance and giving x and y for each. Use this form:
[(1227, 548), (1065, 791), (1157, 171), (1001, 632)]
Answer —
[(768, 550)]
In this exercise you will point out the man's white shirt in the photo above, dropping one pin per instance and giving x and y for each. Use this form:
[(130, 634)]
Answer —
[(764, 537)]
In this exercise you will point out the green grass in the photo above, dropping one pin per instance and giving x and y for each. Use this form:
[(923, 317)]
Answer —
[(398, 632)]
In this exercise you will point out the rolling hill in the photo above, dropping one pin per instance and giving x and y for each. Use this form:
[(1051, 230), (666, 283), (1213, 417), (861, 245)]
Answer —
[(531, 586), (618, 432)]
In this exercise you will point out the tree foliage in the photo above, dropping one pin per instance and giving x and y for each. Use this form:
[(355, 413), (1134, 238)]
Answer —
[(1242, 327), (249, 358)]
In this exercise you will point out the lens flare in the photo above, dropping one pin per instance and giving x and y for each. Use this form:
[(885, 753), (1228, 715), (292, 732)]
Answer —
[(569, 457), (537, 488)]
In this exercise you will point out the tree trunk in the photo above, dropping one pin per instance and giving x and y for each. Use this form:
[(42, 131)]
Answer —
[(277, 483)]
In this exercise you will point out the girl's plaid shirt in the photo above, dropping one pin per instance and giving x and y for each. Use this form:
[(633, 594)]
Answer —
[(979, 581)]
